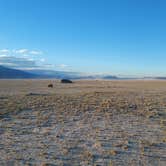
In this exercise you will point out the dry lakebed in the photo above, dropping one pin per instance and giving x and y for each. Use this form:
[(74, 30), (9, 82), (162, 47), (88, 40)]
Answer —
[(86, 123)]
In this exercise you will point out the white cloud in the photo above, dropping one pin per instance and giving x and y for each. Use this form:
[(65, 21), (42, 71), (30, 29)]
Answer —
[(49, 66), (62, 66), (21, 51), (21, 58), (30, 59), (42, 60), (4, 51), (33, 52), (18, 62), (25, 58), (27, 51), (8, 64), (3, 55)]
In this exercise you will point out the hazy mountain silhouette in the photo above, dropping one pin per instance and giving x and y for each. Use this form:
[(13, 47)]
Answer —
[(7, 73), (10, 73)]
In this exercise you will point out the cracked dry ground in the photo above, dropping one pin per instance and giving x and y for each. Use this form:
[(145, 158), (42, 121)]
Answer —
[(87, 123)]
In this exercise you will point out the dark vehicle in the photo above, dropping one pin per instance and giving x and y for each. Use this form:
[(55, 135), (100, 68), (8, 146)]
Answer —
[(50, 85), (66, 81)]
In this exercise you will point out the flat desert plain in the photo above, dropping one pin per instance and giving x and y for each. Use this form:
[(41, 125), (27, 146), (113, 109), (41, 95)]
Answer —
[(86, 123)]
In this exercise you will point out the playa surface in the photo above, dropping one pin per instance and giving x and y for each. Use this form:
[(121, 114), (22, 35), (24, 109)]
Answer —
[(85, 123)]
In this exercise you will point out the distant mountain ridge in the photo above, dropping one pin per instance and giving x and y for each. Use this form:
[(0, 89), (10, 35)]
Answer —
[(54, 74), (161, 78), (8, 73), (69, 75)]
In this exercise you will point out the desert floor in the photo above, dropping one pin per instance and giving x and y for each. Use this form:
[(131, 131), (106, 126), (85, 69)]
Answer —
[(85, 123)]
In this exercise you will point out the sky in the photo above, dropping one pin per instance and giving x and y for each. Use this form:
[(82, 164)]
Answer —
[(119, 37)]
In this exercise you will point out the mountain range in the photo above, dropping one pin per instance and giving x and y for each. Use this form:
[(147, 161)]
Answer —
[(7, 73), (10, 73)]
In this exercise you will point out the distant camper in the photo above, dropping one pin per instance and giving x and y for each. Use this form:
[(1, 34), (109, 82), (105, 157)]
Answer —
[(66, 81), (50, 85)]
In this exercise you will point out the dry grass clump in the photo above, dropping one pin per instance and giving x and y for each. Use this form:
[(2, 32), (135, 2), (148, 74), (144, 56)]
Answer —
[(123, 145), (112, 152), (163, 122), (97, 145), (87, 155), (164, 140), (106, 104), (147, 144), (111, 163), (150, 114)]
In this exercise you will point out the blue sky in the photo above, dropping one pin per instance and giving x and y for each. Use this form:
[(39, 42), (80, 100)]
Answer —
[(120, 37)]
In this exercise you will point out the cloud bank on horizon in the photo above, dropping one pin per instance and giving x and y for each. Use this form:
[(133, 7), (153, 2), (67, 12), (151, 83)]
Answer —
[(27, 59)]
